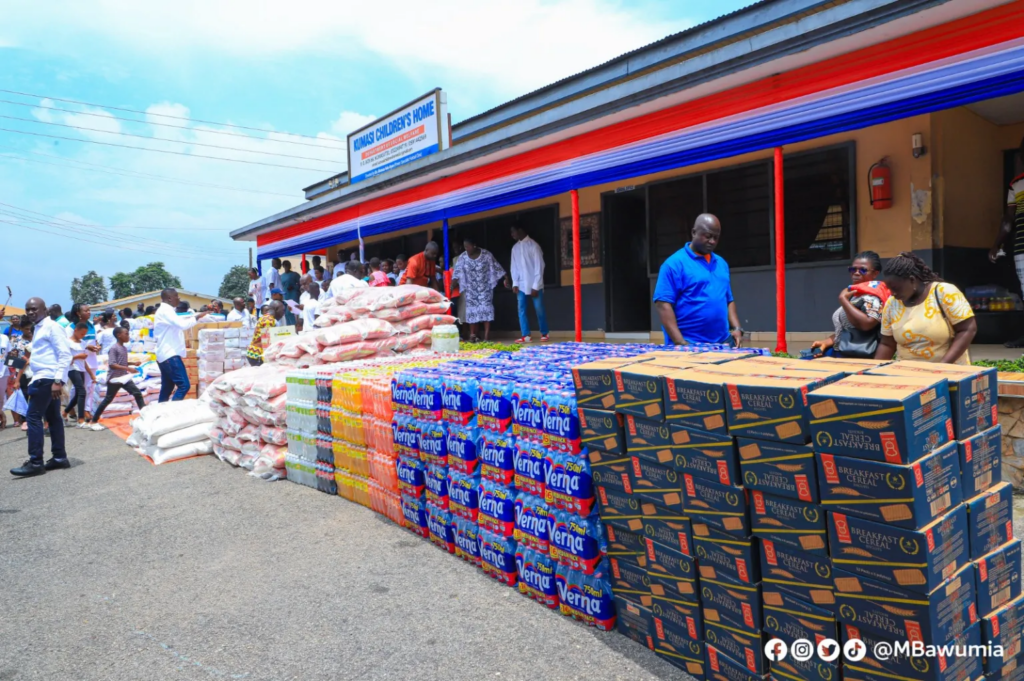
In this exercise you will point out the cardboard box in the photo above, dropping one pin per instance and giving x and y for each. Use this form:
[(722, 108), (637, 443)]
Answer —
[(594, 382), (742, 646), (902, 615), (601, 429), (980, 457), (722, 666), (794, 618), (619, 508), (633, 620), (668, 563), (972, 392), (667, 527), (696, 399), (915, 560), (804, 575), (715, 358), (710, 505), (686, 450), (879, 419), (654, 483), (639, 389), (897, 666), (990, 519), (629, 580), (726, 601), (1003, 628), (903, 496), (814, 669), (689, 658), (796, 523), (999, 577), (724, 554), (781, 469), (624, 543), (771, 407), (676, 590), (610, 470), (676, 622)]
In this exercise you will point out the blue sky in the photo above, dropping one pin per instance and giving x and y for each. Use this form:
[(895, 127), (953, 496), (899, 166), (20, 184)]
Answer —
[(313, 68)]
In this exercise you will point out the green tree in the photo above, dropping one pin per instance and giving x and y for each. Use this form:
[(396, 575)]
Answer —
[(151, 277), (88, 289), (235, 283)]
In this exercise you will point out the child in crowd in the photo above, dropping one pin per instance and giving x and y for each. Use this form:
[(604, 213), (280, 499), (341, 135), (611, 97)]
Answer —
[(377, 277), (119, 375), (77, 373)]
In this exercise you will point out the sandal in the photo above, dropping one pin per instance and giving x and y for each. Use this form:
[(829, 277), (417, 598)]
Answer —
[(474, 339)]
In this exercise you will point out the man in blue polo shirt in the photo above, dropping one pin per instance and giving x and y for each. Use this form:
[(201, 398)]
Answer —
[(693, 296)]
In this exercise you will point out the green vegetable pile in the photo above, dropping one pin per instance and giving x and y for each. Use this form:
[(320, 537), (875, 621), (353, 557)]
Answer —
[(491, 345), (1015, 366)]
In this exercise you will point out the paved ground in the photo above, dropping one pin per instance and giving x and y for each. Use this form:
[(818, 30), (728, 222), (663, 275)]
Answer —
[(117, 569)]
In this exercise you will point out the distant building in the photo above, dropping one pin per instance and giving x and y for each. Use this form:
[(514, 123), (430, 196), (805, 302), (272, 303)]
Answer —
[(195, 300)]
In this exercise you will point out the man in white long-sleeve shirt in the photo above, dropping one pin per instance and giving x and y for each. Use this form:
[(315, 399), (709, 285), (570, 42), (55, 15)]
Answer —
[(49, 363), (527, 273), (169, 328)]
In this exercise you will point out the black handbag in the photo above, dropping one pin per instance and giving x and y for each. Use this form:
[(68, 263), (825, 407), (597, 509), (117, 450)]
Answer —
[(856, 343)]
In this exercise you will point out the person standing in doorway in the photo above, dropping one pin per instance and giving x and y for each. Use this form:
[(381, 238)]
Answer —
[(290, 282), (422, 268), (401, 262), (169, 328), (258, 290), (49, 364), (527, 270), (693, 296), (476, 274), (1013, 225), (339, 266), (119, 375)]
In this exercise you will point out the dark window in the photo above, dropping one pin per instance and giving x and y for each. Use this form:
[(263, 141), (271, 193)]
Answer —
[(494, 235), (742, 199), (819, 195), (672, 208)]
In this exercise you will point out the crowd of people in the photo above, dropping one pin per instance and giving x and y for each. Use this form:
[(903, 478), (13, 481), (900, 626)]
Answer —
[(902, 308), (475, 275)]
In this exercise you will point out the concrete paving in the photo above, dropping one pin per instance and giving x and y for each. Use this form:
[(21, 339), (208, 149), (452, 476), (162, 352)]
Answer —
[(117, 569)]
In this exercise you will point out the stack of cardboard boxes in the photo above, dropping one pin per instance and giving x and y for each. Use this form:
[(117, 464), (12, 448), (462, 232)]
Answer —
[(195, 340), (757, 498)]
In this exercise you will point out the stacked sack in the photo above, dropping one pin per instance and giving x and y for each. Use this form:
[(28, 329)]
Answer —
[(363, 323), (147, 378), (250, 430), (173, 430)]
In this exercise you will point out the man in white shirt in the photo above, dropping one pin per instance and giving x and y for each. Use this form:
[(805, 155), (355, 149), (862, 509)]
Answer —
[(238, 313), (258, 288), (49, 364), (309, 301), (527, 272), (339, 269), (169, 329), (353, 278), (274, 275)]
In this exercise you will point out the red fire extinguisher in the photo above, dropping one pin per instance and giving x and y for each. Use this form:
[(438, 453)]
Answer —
[(880, 185)]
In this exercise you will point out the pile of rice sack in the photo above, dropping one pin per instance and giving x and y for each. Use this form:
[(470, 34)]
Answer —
[(365, 322), (147, 378), (173, 430)]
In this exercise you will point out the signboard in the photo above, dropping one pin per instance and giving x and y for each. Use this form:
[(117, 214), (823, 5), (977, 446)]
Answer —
[(418, 129)]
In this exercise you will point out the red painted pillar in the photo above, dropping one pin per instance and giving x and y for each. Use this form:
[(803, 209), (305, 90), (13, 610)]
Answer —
[(305, 265), (780, 255), (576, 287)]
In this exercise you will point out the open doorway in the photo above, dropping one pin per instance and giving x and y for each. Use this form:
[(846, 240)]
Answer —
[(627, 286)]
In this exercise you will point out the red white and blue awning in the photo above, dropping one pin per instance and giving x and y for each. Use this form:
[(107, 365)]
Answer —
[(974, 58)]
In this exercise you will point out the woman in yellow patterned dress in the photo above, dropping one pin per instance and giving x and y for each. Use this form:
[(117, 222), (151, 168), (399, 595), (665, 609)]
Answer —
[(926, 319)]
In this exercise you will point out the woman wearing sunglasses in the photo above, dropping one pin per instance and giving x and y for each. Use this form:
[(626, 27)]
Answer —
[(857, 320)]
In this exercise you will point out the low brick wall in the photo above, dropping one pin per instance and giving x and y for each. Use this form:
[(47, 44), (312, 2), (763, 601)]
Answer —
[(1011, 417)]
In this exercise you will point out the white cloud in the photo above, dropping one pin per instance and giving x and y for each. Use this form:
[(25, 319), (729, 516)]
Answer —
[(509, 45), (350, 121)]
